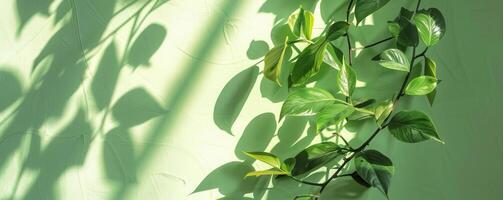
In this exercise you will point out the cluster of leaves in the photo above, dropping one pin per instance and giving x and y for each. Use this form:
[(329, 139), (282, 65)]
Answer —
[(412, 29)]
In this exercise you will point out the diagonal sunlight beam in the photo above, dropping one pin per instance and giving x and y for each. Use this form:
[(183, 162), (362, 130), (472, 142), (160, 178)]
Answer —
[(193, 69)]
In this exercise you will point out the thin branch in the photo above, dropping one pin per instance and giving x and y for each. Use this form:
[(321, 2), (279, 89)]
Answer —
[(374, 44), (421, 54), (343, 175), (306, 182), (418, 4), (350, 53), (344, 140)]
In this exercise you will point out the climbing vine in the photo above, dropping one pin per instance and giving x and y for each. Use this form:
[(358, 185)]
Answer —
[(410, 31)]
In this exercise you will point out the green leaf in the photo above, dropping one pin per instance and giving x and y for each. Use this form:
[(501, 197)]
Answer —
[(267, 172), (333, 114), (307, 25), (315, 156), (421, 85), (413, 127), (267, 158), (308, 64), (289, 164), (429, 31), (307, 101), (295, 23), (357, 178), (333, 56), (375, 168), (346, 80), (403, 29), (408, 35), (364, 8), (273, 62), (430, 69), (382, 111), (394, 59), (336, 30), (439, 20), (301, 23), (394, 28)]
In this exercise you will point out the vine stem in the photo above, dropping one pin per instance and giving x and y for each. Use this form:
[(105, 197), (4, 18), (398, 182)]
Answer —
[(305, 182), (395, 103), (350, 52), (374, 44)]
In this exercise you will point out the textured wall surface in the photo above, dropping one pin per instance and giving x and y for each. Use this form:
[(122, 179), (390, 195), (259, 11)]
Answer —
[(157, 99)]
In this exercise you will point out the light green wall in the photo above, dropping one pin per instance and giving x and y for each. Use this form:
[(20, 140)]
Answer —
[(82, 117)]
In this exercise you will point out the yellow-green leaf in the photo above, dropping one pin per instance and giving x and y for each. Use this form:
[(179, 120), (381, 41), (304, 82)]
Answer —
[(273, 62)]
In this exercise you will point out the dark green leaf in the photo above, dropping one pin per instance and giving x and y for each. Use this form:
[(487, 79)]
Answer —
[(295, 22), (421, 85), (307, 101), (360, 180), (346, 80), (337, 30), (413, 127), (316, 156), (308, 64), (394, 59), (408, 35), (364, 8), (430, 69), (375, 168), (361, 103), (332, 114), (273, 61)]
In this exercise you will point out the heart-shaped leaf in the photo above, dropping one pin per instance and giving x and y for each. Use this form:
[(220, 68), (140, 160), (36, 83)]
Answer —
[(374, 168), (346, 80), (428, 30), (394, 59), (332, 114), (273, 62), (308, 64), (364, 8), (307, 101), (430, 25), (421, 85), (413, 127)]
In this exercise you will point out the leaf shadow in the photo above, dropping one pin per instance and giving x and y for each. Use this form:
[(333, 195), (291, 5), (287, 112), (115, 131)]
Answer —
[(232, 98)]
